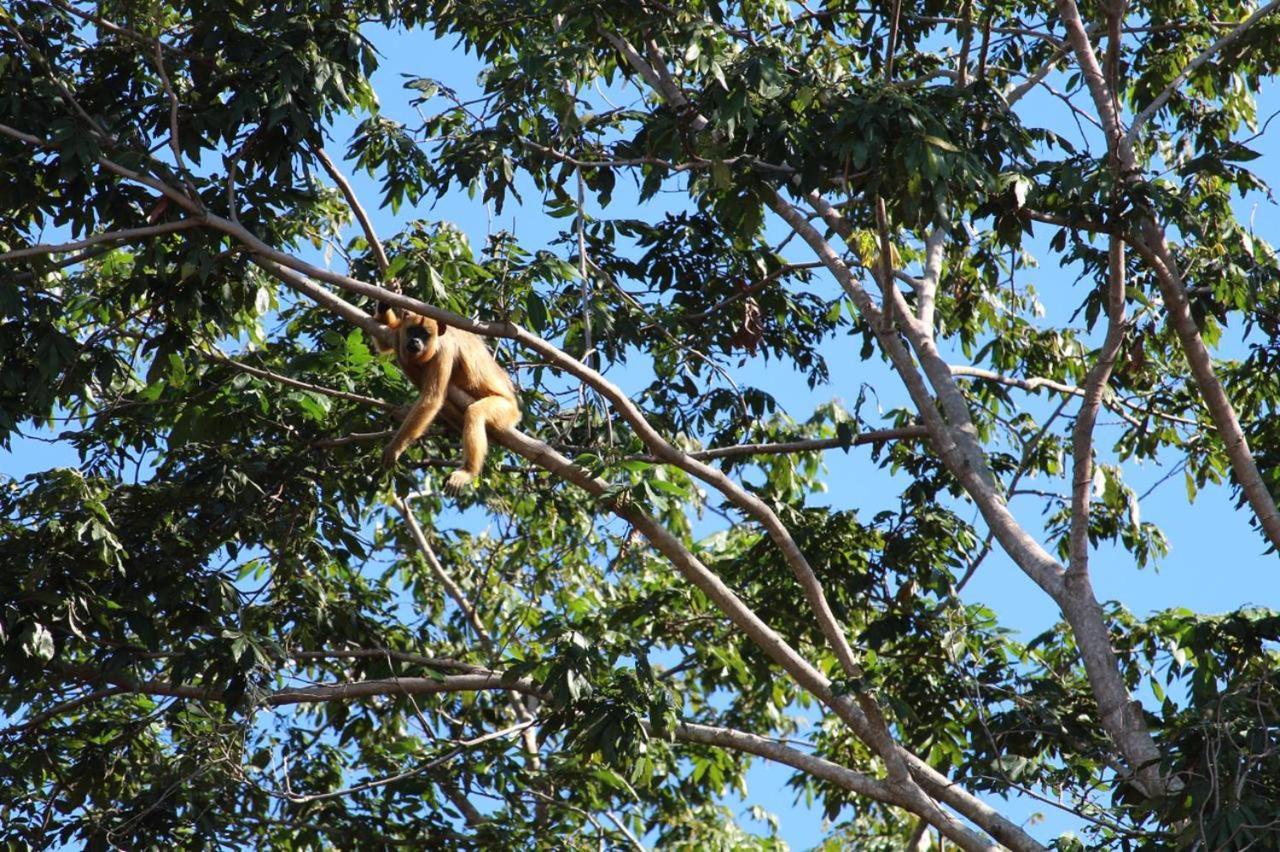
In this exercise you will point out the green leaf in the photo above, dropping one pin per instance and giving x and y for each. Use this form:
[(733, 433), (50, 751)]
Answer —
[(536, 312)]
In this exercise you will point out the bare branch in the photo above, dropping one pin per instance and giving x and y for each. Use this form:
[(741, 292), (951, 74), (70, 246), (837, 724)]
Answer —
[(873, 436), (442, 577), (126, 235), (447, 663), (934, 248), (1034, 383), (353, 438), (695, 163), (959, 449), (1154, 248), (65, 707), (621, 826), (1019, 91), (818, 767), (1121, 716), (214, 354), (1082, 434), (344, 186), (175, 144)]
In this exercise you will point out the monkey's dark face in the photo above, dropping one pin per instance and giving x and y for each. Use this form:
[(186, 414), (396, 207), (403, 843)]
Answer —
[(420, 339), (417, 340)]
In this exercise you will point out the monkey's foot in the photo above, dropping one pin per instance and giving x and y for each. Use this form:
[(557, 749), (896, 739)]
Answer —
[(389, 457), (457, 481)]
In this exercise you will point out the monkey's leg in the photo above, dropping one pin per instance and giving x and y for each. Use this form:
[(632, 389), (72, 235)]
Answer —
[(497, 411)]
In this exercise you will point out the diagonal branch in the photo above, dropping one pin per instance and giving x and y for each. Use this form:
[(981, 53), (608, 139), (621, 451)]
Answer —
[(960, 452), (366, 224), (1204, 56), (818, 767), (1126, 409), (934, 249)]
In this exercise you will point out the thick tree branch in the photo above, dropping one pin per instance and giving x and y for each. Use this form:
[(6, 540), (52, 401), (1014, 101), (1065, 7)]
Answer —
[(934, 250), (964, 463), (1121, 716), (1154, 248), (818, 767)]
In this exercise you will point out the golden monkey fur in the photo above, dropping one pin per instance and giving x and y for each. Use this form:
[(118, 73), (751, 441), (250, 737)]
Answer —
[(435, 356)]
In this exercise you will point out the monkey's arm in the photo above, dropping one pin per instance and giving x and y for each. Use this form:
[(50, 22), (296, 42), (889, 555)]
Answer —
[(424, 411)]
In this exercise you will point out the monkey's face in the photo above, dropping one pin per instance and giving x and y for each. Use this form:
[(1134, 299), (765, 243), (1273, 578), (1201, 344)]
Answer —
[(419, 338)]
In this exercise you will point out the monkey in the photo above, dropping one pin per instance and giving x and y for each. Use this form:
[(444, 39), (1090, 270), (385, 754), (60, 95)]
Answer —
[(435, 356)]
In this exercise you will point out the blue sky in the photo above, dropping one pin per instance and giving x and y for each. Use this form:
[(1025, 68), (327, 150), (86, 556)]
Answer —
[(1216, 562)]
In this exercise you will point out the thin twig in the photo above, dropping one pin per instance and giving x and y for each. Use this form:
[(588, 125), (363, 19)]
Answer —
[(121, 236), (175, 144), (366, 224), (216, 355)]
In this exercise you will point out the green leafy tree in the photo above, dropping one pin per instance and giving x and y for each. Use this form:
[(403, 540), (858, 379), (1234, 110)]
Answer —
[(225, 626)]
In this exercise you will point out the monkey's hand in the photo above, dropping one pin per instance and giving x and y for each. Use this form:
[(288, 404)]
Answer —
[(457, 481), (390, 454)]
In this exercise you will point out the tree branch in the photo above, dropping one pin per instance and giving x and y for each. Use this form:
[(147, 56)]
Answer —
[(833, 773), (214, 354), (1120, 715), (344, 186), (874, 436), (1082, 433), (122, 236), (1200, 59)]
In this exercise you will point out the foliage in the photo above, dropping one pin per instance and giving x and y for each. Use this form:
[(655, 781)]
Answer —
[(219, 630)]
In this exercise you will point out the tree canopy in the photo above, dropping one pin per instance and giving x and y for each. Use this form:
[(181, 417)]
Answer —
[(225, 625)]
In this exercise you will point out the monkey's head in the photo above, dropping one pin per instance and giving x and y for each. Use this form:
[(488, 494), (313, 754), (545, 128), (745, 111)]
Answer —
[(420, 337)]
